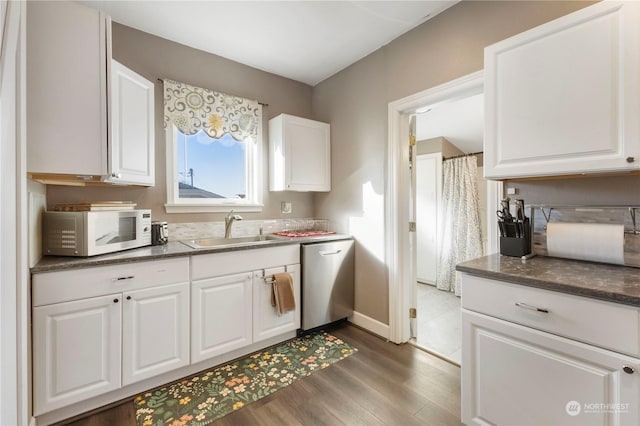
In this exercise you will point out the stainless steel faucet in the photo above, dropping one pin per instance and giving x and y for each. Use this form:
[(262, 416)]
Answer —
[(228, 222)]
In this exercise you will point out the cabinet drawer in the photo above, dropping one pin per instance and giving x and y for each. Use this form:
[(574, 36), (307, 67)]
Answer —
[(603, 324), (234, 262), (62, 286)]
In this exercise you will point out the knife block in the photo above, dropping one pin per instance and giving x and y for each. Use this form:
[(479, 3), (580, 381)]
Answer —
[(515, 246)]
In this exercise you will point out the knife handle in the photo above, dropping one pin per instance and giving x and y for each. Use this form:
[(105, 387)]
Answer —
[(506, 209), (520, 210)]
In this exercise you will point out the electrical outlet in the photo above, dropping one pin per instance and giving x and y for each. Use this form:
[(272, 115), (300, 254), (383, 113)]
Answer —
[(285, 207), (512, 191)]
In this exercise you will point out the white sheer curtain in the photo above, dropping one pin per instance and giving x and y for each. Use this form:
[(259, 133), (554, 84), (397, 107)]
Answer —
[(461, 237)]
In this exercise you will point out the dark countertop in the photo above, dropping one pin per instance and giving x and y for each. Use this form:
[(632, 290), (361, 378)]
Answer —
[(612, 283), (172, 249)]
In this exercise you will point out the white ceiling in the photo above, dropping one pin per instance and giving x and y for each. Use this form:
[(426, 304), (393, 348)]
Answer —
[(307, 41), (461, 122)]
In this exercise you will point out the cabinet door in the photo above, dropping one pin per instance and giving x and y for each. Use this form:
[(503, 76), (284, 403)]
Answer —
[(220, 315), (299, 154), (66, 89), (266, 321), (131, 140), (516, 375), (564, 98), (76, 351), (307, 155), (155, 331)]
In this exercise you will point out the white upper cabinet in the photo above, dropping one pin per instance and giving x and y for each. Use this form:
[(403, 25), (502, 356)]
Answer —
[(66, 89), (564, 97), (299, 154), (132, 135), (84, 125)]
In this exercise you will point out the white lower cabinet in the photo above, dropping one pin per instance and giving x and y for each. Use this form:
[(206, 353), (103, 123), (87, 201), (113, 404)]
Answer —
[(231, 303), (220, 315), (515, 374), (234, 311), (76, 351), (155, 334), (98, 329), (266, 321)]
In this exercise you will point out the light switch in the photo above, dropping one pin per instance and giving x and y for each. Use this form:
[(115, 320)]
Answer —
[(285, 207)]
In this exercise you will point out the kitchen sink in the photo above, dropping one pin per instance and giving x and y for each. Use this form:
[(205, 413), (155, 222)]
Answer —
[(205, 243)]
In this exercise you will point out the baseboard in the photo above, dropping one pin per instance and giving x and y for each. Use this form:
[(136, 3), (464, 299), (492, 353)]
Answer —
[(370, 324)]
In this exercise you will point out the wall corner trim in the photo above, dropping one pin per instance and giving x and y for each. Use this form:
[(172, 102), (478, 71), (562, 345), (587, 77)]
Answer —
[(370, 324)]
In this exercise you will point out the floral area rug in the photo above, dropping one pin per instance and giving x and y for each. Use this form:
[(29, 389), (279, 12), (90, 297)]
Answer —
[(201, 399)]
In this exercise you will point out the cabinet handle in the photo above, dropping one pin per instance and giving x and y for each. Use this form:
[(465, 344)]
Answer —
[(628, 369), (130, 277), (631, 159), (531, 307), (128, 297), (327, 253), (115, 300)]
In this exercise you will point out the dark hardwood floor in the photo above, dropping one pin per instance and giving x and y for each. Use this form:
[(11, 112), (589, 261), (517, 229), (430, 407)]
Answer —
[(382, 384)]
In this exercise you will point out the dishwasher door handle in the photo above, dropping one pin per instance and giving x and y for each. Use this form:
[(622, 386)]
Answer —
[(328, 253)]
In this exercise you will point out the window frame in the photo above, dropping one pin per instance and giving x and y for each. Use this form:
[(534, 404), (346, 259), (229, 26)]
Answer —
[(253, 202)]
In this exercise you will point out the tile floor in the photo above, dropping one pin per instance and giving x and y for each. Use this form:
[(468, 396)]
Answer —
[(438, 322)]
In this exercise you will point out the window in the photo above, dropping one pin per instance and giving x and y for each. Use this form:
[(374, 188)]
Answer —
[(214, 150)]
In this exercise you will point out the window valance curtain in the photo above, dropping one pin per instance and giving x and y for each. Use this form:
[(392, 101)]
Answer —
[(192, 109)]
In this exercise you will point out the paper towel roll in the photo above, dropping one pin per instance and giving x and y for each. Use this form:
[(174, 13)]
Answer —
[(596, 242)]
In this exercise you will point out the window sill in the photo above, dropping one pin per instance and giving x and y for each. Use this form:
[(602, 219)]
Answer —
[(204, 208)]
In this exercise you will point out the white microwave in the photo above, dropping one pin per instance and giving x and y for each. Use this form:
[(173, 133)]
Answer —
[(97, 232)]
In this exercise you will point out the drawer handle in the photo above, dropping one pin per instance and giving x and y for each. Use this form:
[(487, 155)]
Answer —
[(130, 277), (628, 369), (531, 307)]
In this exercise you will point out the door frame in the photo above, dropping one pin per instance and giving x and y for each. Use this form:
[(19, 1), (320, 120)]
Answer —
[(14, 267), (400, 243)]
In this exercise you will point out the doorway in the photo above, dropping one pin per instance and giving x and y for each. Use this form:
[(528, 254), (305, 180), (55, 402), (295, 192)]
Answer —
[(447, 132), (400, 248), (437, 326)]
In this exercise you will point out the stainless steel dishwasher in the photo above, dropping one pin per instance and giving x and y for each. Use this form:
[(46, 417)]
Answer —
[(327, 282)]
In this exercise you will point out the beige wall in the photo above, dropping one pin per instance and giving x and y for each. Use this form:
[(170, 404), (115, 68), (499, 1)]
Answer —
[(439, 144), (355, 102), (154, 58)]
